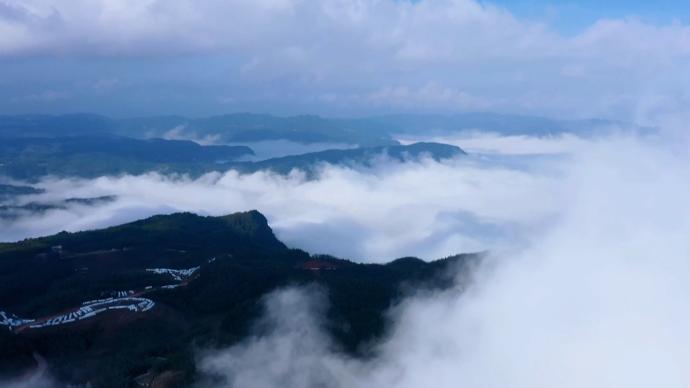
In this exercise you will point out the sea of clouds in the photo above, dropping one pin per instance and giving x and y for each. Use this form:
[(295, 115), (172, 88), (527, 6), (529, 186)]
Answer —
[(424, 208), (585, 284), (596, 299), (588, 274), (342, 57)]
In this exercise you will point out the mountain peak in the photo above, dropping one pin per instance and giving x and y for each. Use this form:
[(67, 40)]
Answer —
[(178, 231), (252, 224)]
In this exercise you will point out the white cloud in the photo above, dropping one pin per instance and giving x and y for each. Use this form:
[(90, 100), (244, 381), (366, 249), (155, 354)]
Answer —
[(488, 143), (39, 377), (576, 71), (427, 208), (425, 32), (431, 95), (595, 300), (442, 55), (181, 132)]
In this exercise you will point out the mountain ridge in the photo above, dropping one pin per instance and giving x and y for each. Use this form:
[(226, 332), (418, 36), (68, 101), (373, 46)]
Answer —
[(103, 307), (250, 127), (27, 160)]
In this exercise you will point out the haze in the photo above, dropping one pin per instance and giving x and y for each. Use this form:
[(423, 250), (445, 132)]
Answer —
[(553, 139)]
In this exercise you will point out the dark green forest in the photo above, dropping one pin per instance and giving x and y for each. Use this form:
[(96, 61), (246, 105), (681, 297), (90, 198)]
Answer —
[(240, 262)]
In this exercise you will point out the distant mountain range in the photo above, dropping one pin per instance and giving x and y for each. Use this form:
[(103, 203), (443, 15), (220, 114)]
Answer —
[(235, 128), (9, 191), (352, 157), (126, 304), (247, 127), (90, 156), (13, 211), (30, 158), (83, 145)]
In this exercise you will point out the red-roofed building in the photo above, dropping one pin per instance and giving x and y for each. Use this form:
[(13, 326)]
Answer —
[(316, 265)]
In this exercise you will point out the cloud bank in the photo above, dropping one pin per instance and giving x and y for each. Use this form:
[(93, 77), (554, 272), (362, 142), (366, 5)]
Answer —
[(427, 208), (586, 286), (595, 300), (131, 57)]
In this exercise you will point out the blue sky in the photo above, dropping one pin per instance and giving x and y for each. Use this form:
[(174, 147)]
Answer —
[(624, 60), (571, 16)]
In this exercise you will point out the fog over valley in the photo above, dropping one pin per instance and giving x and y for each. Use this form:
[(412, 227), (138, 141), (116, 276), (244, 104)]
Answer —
[(344, 194), (391, 209), (587, 259)]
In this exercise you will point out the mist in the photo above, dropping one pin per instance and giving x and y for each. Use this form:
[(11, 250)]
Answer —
[(264, 149), (597, 298), (585, 284), (38, 378), (425, 208), (32, 382), (584, 272)]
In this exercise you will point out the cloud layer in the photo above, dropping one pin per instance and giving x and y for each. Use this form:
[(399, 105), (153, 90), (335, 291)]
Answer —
[(427, 208), (586, 286), (493, 199), (333, 56), (596, 300)]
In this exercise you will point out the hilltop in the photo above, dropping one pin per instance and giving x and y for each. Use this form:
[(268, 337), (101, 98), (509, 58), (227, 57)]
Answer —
[(134, 301)]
